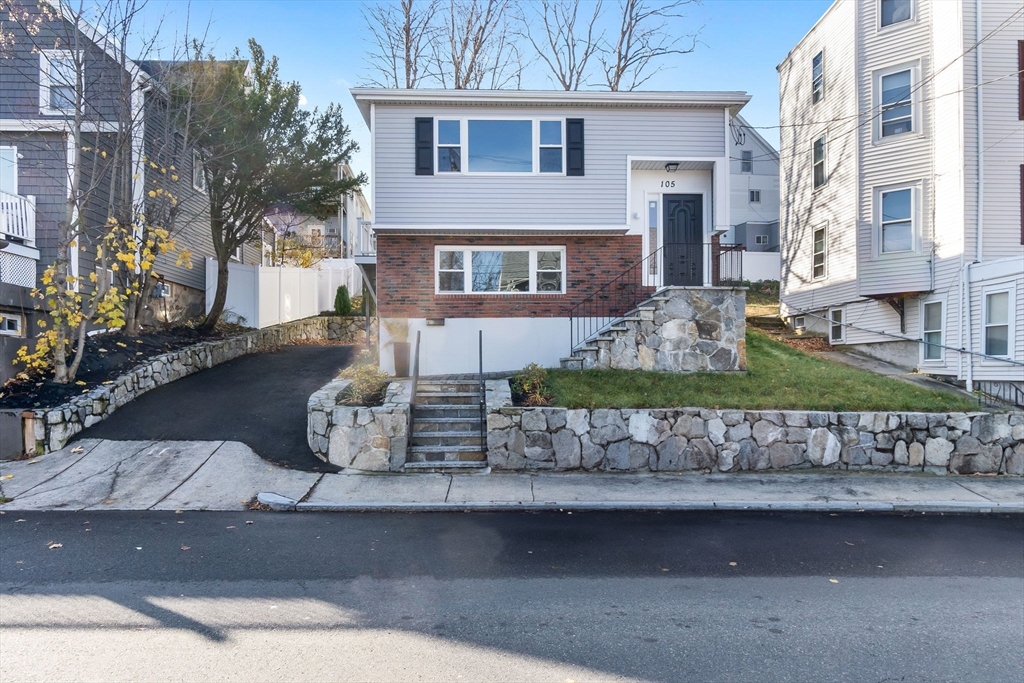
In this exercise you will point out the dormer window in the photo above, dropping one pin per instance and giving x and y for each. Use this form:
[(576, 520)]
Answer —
[(896, 11)]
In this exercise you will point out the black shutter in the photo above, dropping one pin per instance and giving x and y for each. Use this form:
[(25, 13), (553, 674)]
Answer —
[(424, 146), (574, 147)]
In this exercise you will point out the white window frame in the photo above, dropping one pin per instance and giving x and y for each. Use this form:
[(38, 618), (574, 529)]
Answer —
[(760, 239), (14, 152), (45, 57), (915, 101), (915, 228), (19, 321), (467, 268), (197, 165), (464, 145), (754, 196), (942, 332), (746, 157), (799, 322), (841, 310), (892, 27), (816, 88), (824, 161), (824, 253), (238, 254), (1011, 323)]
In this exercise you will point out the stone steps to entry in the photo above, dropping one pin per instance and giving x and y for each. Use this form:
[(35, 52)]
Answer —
[(446, 424)]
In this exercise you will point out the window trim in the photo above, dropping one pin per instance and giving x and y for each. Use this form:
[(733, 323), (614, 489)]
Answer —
[(745, 160), (750, 196), (941, 360), (238, 254), (824, 253), (17, 318), (535, 141), (818, 90), (463, 160), (799, 322), (758, 239), (1011, 301), (197, 164), (14, 149), (915, 228), (914, 68), (891, 27), (824, 161), (842, 325), (45, 57), (467, 268)]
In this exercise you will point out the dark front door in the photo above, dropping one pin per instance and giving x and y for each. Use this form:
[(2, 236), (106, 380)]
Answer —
[(683, 239)]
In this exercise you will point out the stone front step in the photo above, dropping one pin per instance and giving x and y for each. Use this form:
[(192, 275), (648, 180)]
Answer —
[(447, 398), (447, 439), (447, 454), (439, 425), (442, 467), (447, 412), (435, 386)]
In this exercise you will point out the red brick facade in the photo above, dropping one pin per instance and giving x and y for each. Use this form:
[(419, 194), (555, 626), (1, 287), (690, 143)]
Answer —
[(405, 276)]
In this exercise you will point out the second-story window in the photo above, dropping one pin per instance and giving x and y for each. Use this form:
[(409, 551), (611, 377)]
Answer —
[(818, 250), (896, 104), (755, 196), (818, 160), (895, 11), (449, 146), (198, 173), (58, 80), (897, 220), (500, 146), (550, 156), (817, 78), (746, 161)]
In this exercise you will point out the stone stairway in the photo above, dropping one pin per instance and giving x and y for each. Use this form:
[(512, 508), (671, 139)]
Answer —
[(596, 351), (446, 424)]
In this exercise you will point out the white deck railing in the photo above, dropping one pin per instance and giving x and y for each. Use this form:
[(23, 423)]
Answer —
[(18, 217), (366, 240)]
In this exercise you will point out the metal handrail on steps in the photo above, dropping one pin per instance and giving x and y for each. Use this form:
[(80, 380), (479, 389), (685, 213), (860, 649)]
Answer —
[(415, 383), (483, 398)]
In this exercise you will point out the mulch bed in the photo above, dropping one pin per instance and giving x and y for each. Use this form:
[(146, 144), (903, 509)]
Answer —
[(107, 356)]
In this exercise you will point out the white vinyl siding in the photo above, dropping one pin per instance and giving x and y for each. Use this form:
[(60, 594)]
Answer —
[(596, 198), (499, 270)]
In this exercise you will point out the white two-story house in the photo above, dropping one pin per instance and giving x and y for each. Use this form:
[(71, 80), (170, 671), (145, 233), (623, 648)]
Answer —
[(501, 211), (902, 182)]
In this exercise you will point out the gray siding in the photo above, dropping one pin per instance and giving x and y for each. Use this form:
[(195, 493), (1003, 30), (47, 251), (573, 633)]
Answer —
[(598, 198)]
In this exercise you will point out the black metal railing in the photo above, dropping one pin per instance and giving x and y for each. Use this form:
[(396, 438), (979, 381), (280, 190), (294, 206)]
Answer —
[(483, 398), (415, 383), (685, 265)]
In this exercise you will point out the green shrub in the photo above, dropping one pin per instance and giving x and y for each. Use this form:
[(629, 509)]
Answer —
[(530, 386), (342, 304), (368, 384)]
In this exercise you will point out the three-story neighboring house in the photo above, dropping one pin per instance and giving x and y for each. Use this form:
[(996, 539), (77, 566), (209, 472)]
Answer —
[(502, 211), (48, 75), (902, 161)]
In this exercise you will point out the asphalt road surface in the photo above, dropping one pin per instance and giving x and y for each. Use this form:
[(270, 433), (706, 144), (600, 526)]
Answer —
[(258, 399), (510, 597)]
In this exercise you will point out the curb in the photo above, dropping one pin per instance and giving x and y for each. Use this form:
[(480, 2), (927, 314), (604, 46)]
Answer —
[(284, 504)]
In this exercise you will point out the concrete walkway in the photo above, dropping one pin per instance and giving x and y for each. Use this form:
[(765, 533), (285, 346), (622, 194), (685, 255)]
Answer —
[(226, 475)]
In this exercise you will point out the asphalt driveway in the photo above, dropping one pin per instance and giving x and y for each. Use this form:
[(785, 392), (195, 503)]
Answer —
[(259, 400)]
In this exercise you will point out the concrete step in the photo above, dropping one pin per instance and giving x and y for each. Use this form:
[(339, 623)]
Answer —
[(442, 467), (447, 412), (447, 398)]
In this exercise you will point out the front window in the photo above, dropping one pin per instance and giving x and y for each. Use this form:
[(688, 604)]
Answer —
[(819, 253), (819, 162), (449, 146), (897, 221), (895, 11), (817, 78), (997, 324), (58, 80), (896, 104), (932, 330), (500, 146), (747, 161), (508, 270)]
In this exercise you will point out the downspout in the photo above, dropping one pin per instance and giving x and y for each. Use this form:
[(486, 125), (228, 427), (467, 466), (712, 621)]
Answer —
[(980, 206)]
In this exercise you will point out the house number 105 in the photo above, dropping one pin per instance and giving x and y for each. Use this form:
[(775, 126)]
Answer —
[(668, 183)]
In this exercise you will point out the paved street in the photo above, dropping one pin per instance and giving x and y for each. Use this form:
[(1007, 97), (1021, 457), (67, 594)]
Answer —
[(510, 597)]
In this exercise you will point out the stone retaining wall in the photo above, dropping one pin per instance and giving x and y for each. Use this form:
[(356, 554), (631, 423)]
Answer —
[(358, 438), (733, 440), (47, 430), (351, 329)]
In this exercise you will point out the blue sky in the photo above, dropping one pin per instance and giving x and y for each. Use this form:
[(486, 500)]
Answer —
[(320, 45)]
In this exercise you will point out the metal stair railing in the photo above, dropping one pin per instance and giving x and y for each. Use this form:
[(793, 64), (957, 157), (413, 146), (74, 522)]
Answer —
[(483, 398)]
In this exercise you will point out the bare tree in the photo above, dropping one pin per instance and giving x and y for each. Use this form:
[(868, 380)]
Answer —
[(646, 36), (568, 40), (476, 46), (399, 37)]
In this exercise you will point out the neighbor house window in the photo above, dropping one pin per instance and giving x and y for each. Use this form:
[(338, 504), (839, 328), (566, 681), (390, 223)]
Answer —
[(9, 170), (755, 196), (449, 146), (198, 174), (550, 155), (835, 326), (895, 11), (896, 103), (760, 239), (10, 325), (997, 323), (238, 254), (817, 78), (897, 220), (58, 80), (746, 161), (931, 330), (799, 323), (818, 253), (504, 270), (820, 178)]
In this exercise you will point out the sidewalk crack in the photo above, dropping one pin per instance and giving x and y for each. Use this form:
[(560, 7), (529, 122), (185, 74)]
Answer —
[(533, 495), (312, 488), (57, 474), (192, 474), (980, 495), (451, 480)]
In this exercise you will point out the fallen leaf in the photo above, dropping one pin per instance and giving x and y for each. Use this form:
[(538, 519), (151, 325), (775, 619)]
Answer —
[(248, 521), (833, 580), (7, 476), (180, 522), (18, 520), (53, 546), (77, 449), (186, 547), (122, 345), (664, 569), (232, 527), (177, 512), (108, 501), (733, 564), (847, 543), (138, 547)]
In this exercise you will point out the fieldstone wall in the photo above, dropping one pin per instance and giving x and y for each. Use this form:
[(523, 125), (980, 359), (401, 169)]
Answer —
[(351, 329), (44, 431), (683, 329), (733, 440), (359, 438)]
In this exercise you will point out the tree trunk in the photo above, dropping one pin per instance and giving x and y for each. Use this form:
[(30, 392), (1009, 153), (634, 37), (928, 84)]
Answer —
[(213, 317)]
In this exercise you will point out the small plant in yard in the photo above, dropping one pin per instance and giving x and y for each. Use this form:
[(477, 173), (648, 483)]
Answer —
[(368, 384), (342, 303), (530, 386)]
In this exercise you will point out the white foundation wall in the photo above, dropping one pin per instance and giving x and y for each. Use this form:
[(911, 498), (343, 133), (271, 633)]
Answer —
[(509, 344)]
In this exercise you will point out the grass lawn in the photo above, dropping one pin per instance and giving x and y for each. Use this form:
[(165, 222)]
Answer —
[(779, 377)]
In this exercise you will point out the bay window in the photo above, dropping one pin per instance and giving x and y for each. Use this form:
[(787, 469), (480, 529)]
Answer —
[(500, 270)]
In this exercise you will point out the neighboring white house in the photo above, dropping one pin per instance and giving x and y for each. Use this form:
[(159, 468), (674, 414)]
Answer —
[(902, 176), (754, 204), (500, 211)]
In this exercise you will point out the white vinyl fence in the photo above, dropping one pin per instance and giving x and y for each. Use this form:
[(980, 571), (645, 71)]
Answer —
[(762, 265), (334, 273)]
